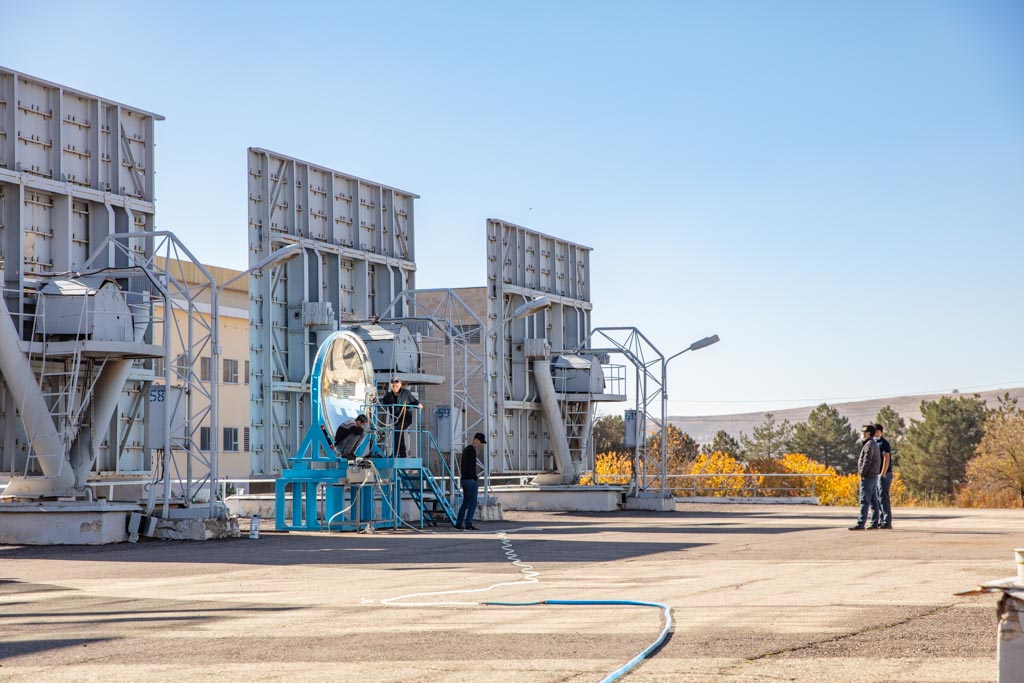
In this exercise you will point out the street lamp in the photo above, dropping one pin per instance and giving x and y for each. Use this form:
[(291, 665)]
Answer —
[(695, 346), (274, 258), (541, 303)]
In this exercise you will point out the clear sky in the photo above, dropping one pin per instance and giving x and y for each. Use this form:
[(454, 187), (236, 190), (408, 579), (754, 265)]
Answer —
[(835, 188)]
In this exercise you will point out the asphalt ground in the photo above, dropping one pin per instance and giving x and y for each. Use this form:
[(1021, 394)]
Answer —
[(757, 592)]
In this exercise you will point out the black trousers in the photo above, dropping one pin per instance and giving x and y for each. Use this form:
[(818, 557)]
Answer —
[(398, 447)]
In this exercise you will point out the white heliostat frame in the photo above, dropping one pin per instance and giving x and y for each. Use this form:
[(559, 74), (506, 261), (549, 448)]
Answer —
[(523, 265), (358, 239), (74, 170)]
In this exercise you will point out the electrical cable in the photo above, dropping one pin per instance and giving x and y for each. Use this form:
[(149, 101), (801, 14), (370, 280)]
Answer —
[(531, 576), (628, 666)]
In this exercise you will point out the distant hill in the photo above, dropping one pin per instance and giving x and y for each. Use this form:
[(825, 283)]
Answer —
[(703, 428)]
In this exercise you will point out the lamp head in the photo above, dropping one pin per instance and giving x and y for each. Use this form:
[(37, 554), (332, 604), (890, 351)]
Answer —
[(705, 342), (278, 257), (539, 304)]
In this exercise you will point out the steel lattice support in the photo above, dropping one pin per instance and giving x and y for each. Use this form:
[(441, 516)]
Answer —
[(165, 275), (649, 365), (464, 365)]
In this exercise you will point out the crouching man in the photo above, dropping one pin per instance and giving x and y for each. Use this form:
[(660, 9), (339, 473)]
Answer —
[(349, 436)]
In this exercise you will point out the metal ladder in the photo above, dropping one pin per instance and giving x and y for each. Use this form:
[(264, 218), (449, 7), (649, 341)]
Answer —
[(425, 490), (575, 415)]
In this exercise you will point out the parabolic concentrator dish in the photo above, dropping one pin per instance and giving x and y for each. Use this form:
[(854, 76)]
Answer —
[(342, 381)]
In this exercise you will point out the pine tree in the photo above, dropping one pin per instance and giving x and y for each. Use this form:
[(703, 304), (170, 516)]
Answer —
[(724, 443), (934, 455), (769, 439), (827, 437), (894, 425)]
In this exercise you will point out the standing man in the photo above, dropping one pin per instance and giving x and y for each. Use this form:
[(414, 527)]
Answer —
[(401, 402), (469, 481), (868, 466), (885, 478)]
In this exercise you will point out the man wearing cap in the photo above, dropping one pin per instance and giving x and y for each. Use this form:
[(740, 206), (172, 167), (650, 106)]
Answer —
[(401, 402), (469, 481), (868, 466)]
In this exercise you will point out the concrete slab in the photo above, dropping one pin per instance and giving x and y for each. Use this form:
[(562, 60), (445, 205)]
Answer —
[(653, 503), (757, 593), (70, 523), (559, 498)]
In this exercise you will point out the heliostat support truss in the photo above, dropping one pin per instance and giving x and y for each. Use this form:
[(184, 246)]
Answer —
[(649, 469), (443, 313), (164, 275)]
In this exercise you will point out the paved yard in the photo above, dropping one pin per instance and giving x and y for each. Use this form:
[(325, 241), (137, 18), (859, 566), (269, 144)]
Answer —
[(757, 592)]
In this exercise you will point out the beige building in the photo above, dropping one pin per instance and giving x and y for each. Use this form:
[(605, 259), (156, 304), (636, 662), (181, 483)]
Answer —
[(233, 373)]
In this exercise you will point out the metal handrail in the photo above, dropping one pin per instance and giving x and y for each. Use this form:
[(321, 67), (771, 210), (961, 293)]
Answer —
[(752, 485)]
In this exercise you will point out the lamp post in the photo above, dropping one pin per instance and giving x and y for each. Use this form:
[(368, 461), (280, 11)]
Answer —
[(695, 346)]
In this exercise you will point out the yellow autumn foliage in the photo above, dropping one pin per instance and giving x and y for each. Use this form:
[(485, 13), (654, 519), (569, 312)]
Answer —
[(722, 465), (830, 489), (610, 468)]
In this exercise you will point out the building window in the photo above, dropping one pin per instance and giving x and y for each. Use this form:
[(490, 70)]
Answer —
[(181, 366), (245, 439), (246, 377), (204, 438), (230, 371), (230, 440), (158, 367)]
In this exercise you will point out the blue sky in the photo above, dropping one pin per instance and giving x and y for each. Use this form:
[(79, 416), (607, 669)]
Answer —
[(772, 172)]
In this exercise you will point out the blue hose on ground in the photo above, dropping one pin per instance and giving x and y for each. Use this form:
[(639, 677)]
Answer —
[(631, 664)]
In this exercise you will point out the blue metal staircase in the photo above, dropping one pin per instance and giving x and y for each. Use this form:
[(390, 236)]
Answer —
[(427, 493)]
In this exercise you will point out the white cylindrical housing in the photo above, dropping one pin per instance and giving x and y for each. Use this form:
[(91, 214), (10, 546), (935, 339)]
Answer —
[(559, 439)]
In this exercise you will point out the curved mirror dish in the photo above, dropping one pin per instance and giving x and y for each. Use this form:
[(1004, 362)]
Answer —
[(345, 380)]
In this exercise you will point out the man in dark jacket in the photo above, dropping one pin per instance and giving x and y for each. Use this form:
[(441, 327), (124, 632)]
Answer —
[(884, 478), (469, 481), (349, 436), (869, 464), (402, 403)]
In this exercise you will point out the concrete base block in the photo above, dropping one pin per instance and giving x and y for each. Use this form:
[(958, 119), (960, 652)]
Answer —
[(764, 500), (652, 503), (559, 498), (262, 504), (64, 523), (196, 529), (488, 510)]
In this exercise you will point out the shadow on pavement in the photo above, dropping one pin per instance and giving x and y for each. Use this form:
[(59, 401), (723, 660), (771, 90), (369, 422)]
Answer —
[(28, 647)]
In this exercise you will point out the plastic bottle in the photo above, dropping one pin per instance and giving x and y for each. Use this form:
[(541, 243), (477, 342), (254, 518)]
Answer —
[(254, 526)]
